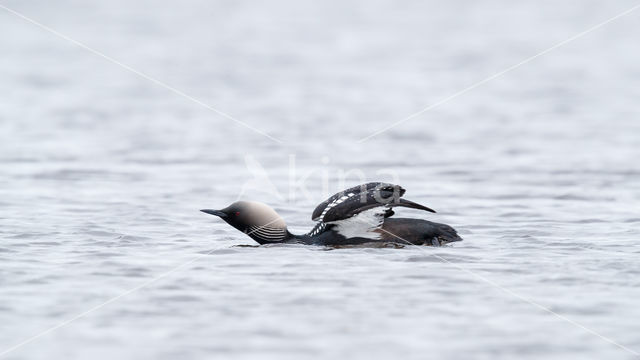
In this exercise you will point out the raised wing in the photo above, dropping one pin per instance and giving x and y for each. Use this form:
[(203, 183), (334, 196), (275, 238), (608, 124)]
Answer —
[(357, 199)]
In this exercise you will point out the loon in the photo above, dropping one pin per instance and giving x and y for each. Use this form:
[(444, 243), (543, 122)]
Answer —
[(355, 216)]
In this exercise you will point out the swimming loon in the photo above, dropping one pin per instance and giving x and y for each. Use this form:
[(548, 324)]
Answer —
[(358, 215)]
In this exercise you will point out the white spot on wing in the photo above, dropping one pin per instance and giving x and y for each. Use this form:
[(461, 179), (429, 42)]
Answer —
[(334, 203)]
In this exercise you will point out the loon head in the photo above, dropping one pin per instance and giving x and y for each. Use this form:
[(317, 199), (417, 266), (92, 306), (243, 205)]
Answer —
[(255, 219)]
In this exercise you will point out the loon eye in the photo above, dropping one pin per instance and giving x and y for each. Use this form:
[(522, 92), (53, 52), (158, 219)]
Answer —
[(237, 213)]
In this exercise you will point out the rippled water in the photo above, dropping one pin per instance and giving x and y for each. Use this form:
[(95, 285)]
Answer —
[(102, 173)]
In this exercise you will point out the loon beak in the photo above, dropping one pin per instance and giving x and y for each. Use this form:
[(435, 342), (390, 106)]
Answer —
[(220, 213)]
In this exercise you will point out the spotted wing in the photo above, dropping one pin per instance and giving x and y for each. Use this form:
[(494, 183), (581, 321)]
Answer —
[(353, 201)]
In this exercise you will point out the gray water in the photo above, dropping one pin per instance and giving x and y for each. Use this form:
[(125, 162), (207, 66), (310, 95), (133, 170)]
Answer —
[(103, 253)]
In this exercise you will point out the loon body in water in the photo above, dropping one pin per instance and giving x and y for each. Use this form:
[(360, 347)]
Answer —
[(358, 215)]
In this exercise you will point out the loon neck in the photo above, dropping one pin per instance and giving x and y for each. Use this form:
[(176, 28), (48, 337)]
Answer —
[(268, 235), (318, 229), (273, 235)]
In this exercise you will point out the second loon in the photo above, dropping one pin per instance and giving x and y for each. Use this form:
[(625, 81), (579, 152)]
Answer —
[(358, 215)]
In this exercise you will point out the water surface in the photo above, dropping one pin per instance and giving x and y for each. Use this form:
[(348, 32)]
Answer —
[(102, 174)]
